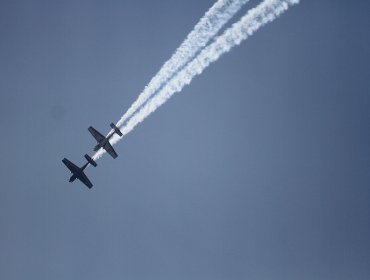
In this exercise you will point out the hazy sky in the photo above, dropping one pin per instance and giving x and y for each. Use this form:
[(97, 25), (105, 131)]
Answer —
[(257, 170)]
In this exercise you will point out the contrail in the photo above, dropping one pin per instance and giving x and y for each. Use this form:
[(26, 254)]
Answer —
[(207, 27), (255, 18)]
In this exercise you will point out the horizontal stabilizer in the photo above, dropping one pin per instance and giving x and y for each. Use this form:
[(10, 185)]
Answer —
[(116, 129), (90, 160)]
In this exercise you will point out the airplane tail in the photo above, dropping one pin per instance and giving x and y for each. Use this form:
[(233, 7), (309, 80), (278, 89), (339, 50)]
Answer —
[(90, 160), (116, 129)]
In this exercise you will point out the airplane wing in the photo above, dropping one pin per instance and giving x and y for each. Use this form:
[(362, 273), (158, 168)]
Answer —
[(108, 147), (71, 166), (97, 135), (83, 178)]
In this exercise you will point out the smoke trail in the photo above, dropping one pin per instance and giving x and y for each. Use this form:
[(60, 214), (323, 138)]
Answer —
[(208, 26), (255, 18)]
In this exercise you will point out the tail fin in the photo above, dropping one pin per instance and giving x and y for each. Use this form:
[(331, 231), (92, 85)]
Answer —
[(116, 129), (91, 161)]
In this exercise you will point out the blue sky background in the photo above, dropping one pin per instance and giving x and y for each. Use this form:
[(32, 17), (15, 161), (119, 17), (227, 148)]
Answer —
[(257, 170)]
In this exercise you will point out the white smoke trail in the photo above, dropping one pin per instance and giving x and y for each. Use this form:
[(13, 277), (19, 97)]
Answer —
[(255, 18), (207, 27)]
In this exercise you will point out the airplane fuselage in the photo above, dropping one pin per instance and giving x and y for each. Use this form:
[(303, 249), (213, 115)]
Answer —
[(101, 144), (77, 173)]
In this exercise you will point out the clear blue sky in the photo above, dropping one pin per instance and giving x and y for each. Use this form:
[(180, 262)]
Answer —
[(257, 170)]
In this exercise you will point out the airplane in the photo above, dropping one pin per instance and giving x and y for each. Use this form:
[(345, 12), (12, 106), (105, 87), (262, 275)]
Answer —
[(78, 172), (103, 142)]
